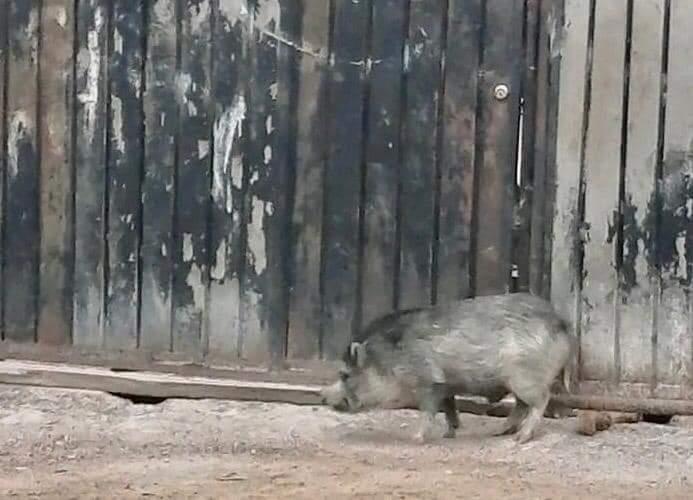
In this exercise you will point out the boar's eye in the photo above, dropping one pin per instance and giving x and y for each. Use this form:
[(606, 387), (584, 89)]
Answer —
[(343, 375)]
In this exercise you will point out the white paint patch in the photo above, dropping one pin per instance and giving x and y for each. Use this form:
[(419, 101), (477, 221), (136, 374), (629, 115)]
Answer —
[(226, 129), (682, 271), (21, 130), (183, 84), (194, 281), (268, 154), (164, 250), (268, 12), (202, 149), (200, 16), (256, 237), (187, 247), (117, 110), (61, 17), (117, 41), (233, 10), (269, 127), (218, 271), (164, 14), (255, 177), (274, 90), (89, 64)]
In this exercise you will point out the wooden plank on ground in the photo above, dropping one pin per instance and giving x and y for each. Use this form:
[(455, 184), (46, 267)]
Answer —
[(501, 64), (125, 156), (230, 73), (264, 285), (566, 248), (639, 283), (311, 148), (56, 88), (192, 177), (458, 150), (601, 358), (675, 235), (161, 126), (22, 231), (418, 171), (343, 176), (383, 159), (90, 162), (153, 384)]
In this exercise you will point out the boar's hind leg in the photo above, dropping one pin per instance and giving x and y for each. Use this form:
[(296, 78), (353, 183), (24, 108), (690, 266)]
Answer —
[(452, 417), (516, 417), (537, 400)]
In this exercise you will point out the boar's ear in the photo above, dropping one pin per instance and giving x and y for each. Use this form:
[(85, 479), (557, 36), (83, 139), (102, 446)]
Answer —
[(357, 353)]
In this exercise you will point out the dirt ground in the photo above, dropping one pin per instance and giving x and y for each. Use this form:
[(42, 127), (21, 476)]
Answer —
[(75, 444)]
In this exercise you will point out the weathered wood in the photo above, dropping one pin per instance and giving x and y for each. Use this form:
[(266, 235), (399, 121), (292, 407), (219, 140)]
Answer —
[(161, 126), (56, 97), (192, 177), (21, 231), (638, 274), (501, 64), (342, 182), (566, 249), (263, 307), (524, 200), (124, 172), (675, 232), (4, 26), (418, 171), (383, 154), (229, 63), (458, 150), (153, 384), (311, 147), (600, 328), (90, 182)]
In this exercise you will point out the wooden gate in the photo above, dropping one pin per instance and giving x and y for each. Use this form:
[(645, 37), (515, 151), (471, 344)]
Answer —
[(253, 179), (622, 256)]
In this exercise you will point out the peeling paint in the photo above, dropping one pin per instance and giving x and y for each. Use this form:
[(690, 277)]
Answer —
[(200, 14), (117, 110), (226, 129), (21, 130), (164, 251), (218, 271), (233, 10), (274, 91), (117, 41), (202, 149), (269, 127), (194, 281), (183, 84), (267, 154), (256, 237), (61, 17), (89, 62), (187, 247)]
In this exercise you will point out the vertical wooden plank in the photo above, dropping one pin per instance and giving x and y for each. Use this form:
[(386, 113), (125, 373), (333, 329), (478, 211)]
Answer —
[(458, 148), (124, 171), (566, 248), (383, 159), (343, 176), (675, 236), (90, 182), (526, 187), (192, 181), (161, 125), (501, 64), (263, 311), (4, 26), (311, 144), (540, 143), (21, 237), (638, 270), (230, 71), (418, 176), (56, 60), (602, 177)]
